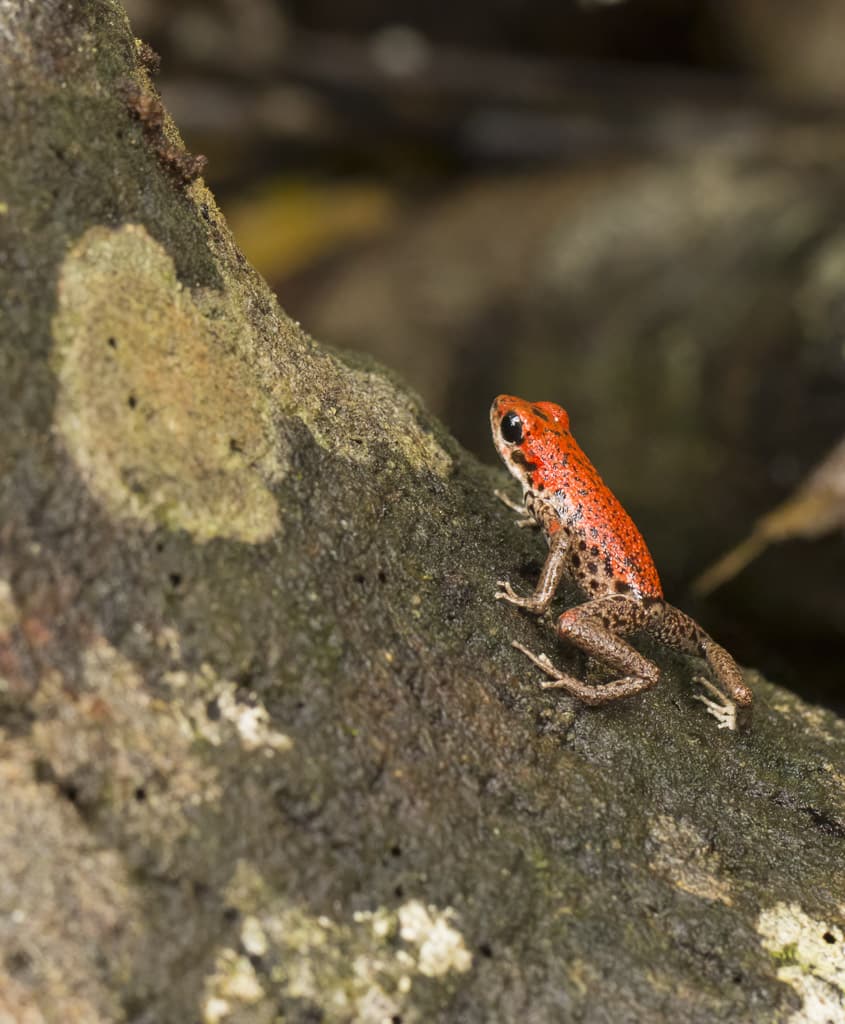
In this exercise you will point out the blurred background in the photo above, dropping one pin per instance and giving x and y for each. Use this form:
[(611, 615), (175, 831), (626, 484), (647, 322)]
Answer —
[(635, 209)]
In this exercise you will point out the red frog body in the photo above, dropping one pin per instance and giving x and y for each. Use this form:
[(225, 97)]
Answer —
[(593, 539)]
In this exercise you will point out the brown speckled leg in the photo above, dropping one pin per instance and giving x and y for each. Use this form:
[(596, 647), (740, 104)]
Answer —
[(676, 629), (550, 577), (595, 628)]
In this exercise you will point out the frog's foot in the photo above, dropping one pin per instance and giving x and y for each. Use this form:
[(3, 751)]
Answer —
[(532, 603), (507, 593), (722, 709), (516, 506), (557, 678)]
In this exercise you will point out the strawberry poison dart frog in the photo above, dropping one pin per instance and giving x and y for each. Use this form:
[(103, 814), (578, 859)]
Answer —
[(592, 538)]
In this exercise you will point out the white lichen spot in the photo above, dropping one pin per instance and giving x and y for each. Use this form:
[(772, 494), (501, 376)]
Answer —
[(441, 946), (215, 1010), (252, 722), (811, 955), (248, 716), (242, 982), (376, 1006), (169, 640), (233, 982), (253, 938), (687, 860), (382, 921), (165, 419)]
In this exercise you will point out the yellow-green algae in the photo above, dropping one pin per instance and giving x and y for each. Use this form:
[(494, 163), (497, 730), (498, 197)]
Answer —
[(167, 426)]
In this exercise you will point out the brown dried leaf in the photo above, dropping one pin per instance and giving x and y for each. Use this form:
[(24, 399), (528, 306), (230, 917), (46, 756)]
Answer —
[(817, 507)]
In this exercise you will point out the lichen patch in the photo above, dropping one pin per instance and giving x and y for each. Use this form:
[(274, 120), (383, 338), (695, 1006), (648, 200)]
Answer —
[(166, 425), (362, 969), (440, 946), (116, 743), (233, 985), (811, 957), (220, 711), (685, 858)]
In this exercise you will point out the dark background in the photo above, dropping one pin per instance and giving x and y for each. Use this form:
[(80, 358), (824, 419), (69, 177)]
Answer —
[(633, 209)]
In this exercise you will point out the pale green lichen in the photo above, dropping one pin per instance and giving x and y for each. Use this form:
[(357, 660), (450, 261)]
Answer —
[(167, 427), (362, 970), (811, 958), (683, 856), (166, 401)]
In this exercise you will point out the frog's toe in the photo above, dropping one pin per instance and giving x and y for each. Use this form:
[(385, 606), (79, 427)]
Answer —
[(722, 709), (541, 661)]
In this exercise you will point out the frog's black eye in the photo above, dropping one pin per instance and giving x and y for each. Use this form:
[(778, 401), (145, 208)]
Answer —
[(511, 428)]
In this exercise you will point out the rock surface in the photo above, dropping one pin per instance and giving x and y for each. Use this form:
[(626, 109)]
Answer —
[(266, 753)]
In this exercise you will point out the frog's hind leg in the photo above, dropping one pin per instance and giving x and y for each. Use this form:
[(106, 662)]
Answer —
[(595, 628), (677, 630)]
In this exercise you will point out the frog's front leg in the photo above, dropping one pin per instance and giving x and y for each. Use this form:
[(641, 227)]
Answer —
[(597, 628), (550, 577), (524, 518)]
